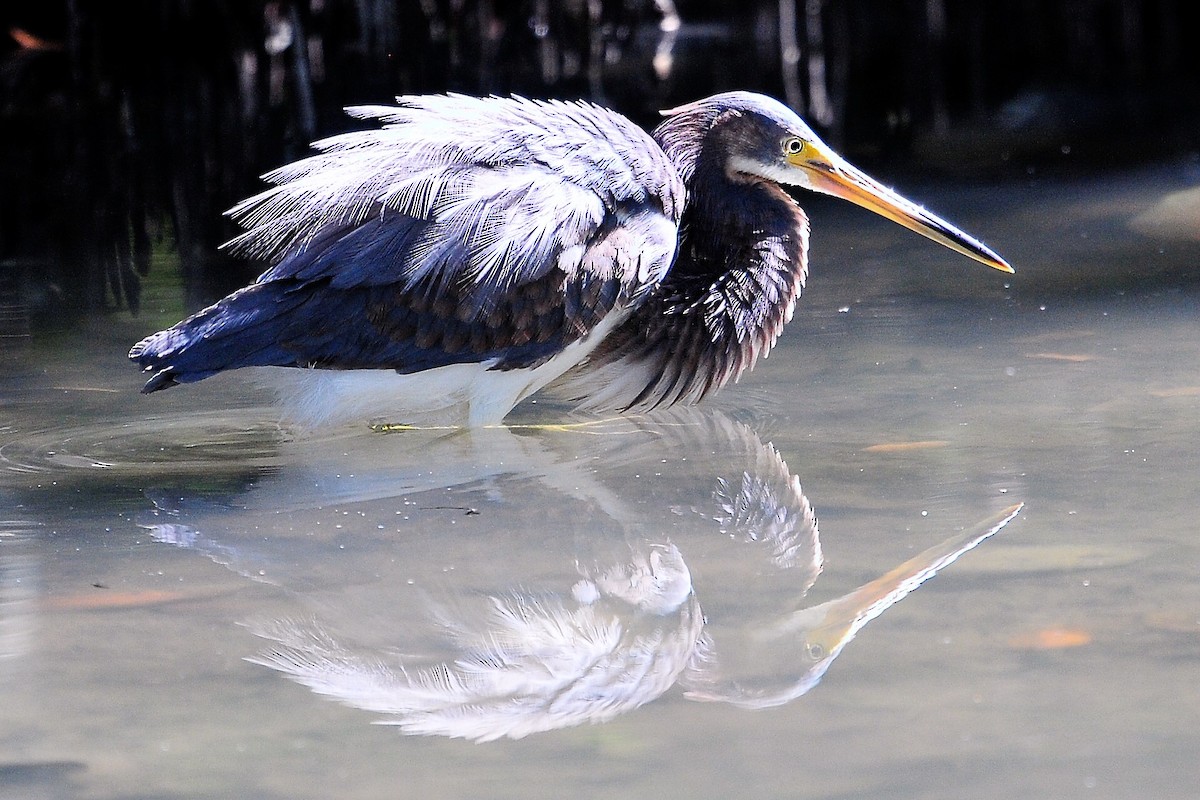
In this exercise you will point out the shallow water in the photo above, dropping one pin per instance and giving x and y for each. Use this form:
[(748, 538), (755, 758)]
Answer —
[(646, 602)]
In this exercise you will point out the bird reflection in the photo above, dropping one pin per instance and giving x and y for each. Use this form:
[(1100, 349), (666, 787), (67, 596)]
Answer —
[(529, 660), (813, 637), (506, 646), (767, 505)]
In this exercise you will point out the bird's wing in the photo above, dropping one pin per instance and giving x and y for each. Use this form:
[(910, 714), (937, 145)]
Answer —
[(464, 229), (489, 193)]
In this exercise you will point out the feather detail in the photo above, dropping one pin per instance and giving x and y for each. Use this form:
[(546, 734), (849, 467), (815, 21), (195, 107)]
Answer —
[(497, 231), (720, 309)]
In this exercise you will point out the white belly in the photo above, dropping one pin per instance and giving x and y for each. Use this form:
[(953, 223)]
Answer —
[(459, 394)]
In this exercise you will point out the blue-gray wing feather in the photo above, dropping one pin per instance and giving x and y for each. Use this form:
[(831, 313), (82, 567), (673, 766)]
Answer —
[(464, 229)]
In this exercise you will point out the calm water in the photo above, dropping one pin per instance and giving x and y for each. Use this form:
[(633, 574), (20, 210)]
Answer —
[(194, 603)]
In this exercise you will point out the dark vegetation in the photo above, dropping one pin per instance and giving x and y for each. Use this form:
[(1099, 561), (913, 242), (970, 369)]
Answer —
[(131, 126)]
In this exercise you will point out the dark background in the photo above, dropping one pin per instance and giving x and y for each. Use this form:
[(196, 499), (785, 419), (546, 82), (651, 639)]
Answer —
[(127, 128)]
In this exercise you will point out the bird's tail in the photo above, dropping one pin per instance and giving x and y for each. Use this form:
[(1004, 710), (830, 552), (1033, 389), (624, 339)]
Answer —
[(240, 331)]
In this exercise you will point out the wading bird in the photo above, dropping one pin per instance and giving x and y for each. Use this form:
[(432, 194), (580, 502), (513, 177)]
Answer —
[(471, 251)]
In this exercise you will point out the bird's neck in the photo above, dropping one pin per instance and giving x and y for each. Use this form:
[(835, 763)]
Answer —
[(732, 224), (744, 250), (740, 267)]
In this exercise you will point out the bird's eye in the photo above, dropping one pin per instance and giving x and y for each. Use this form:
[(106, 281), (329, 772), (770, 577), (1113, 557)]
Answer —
[(793, 146)]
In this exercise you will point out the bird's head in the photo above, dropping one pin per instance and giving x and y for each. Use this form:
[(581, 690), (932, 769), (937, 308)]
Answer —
[(759, 138)]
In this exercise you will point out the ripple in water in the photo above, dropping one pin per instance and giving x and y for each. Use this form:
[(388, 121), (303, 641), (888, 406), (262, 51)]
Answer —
[(197, 442)]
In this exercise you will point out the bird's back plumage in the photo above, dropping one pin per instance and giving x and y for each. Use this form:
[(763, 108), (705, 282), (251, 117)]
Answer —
[(497, 232)]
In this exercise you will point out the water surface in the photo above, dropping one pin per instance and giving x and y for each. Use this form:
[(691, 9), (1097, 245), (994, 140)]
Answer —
[(197, 603)]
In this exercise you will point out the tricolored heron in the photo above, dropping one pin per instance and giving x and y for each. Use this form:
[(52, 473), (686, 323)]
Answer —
[(471, 251)]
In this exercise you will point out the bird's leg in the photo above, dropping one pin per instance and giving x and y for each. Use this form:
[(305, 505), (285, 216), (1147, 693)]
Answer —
[(582, 426), (399, 427)]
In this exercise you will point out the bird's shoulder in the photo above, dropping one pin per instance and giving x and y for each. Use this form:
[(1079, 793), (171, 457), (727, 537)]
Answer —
[(510, 165), (463, 229)]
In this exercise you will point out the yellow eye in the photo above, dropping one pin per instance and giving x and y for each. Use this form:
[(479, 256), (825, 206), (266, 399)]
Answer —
[(793, 146)]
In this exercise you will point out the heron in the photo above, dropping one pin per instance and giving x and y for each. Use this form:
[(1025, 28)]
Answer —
[(467, 252)]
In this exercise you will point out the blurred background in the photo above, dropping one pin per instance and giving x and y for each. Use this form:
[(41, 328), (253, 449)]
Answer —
[(126, 130), (913, 394)]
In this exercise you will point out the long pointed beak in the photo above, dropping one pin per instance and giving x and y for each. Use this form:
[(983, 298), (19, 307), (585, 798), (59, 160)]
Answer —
[(827, 172)]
